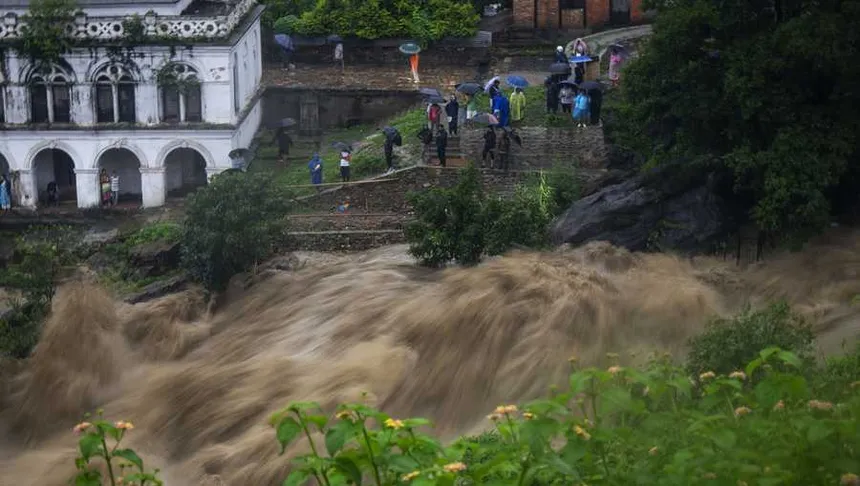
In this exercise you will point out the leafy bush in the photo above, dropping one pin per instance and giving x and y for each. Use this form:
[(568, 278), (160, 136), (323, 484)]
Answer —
[(44, 39), (100, 441), (615, 426), (375, 19), (41, 255), (728, 343), (564, 188), (154, 232), (286, 24), (522, 221), (232, 224)]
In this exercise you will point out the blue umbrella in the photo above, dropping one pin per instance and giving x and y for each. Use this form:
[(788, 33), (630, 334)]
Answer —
[(283, 40), (517, 81), (577, 59)]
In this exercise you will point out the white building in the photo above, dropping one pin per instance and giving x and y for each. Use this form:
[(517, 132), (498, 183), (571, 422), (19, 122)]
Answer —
[(154, 93)]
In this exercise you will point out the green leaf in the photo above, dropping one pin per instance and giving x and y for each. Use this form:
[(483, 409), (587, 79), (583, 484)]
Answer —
[(402, 464), (573, 451), (817, 431), (90, 446), (337, 435), (89, 478), (319, 420), (349, 468), (415, 422), (790, 358), (288, 430), (724, 438), (130, 456), (296, 478)]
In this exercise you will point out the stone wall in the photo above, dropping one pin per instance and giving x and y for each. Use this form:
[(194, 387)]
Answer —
[(542, 146), (334, 108), (342, 241), (388, 195)]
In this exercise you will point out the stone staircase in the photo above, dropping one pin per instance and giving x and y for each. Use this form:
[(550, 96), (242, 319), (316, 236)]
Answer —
[(350, 231), (454, 156)]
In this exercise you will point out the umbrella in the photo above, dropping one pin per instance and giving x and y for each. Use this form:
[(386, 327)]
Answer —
[(410, 48), (239, 153), (342, 146), (622, 51), (490, 83), (436, 99), (287, 122), (468, 88), (334, 39), (485, 119), (559, 68), (517, 81), (283, 40), (591, 85), (431, 92), (514, 135), (568, 83), (392, 134), (578, 59)]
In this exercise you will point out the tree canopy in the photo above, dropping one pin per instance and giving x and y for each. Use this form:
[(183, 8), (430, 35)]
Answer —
[(424, 20), (767, 87)]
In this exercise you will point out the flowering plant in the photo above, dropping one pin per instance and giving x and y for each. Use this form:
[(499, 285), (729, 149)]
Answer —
[(100, 441)]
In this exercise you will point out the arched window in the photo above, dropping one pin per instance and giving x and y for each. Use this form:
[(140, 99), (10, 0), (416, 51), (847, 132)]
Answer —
[(180, 94), (50, 96), (114, 95)]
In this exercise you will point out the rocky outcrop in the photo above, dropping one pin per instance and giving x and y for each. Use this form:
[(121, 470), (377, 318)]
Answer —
[(680, 208), (153, 259)]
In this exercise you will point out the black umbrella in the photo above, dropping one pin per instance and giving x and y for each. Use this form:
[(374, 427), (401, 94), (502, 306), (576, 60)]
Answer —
[(591, 85), (389, 131), (621, 50), (436, 99), (568, 83), (392, 134), (430, 92), (334, 39), (468, 88), (342, 146), (239, 153), (287, 122), (485, 119), (559, 68)]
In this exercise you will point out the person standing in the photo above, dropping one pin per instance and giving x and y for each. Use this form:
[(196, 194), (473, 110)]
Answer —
[(104, 187), (338, 55), (5, 199), (580, 112), (502, 110), (345, 158), (518, 105), (413, 66), (565, 96), (503, 150), (434, 116), (288, 48), (489, 145), (441, 145), (494, 92), (596, 96), (316, 168), (452, 109), (282, 137), (388, 149), (114, 189), (615, 61), (551, 96), (559, 55)]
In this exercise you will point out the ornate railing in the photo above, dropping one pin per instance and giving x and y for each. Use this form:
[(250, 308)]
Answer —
[(151, 26)]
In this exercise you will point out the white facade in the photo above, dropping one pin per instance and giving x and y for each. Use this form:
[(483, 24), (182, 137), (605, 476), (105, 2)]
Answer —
[(162, 118)]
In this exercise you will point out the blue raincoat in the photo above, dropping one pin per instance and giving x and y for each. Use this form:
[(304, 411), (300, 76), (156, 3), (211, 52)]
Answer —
[(316, 168), (503, 107)]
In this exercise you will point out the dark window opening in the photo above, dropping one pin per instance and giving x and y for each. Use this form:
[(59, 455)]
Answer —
[(125, 91), (62, 103), (193, 105), (170, 104), (39, 103), (104, 103)]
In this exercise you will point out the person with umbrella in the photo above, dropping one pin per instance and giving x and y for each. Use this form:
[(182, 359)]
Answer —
[(338, 55), (392, 138), (565, 96), (316, 168), (551, 95), (285, 42), (518, 105), (434, 115), (495, 89), (441, 145), (489, 145), (580, 112), (452, 109), (345, 159), (595, 94), (282, 137), (502, 110)]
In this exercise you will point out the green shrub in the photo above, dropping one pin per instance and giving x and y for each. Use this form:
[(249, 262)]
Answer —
[(41, 255), (729, 343), (651, 426), (154, 232), (232, 224), (286, 24), (521, 221), (564, 187)]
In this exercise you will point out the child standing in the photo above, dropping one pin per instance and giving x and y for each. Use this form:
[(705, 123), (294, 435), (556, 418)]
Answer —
[(345, 158), (581, 109)]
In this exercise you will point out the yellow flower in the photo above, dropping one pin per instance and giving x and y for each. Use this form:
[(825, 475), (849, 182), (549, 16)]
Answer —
[(346, 415), (82, 427), (494, 416), (411, 476), (819, 405), (394, 424), (572, 360), (614, 369), (707, 375), (454, 467), (741, 411), (581, 432), (505, 409), (124, 425), (653, 451), (739, 375), (528, 415), (849, 479), (779, 405)]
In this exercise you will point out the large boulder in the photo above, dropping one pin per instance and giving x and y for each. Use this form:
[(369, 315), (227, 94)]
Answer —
[(155, 258), (675, 208)]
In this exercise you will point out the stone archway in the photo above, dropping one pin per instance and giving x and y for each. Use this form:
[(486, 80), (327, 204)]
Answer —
[(184, 171), (125, 164), (54, 165)]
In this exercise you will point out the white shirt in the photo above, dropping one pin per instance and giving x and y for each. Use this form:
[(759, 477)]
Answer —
[(344, 162), (338, 51), (114, 183)]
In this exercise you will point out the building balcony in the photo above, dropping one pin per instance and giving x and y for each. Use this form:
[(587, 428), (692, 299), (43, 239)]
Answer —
[(149, 28)]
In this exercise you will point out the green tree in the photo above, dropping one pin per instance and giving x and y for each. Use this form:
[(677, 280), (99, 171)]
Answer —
[(44, 38), (232, 224), (41, 255), (764, 87)]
